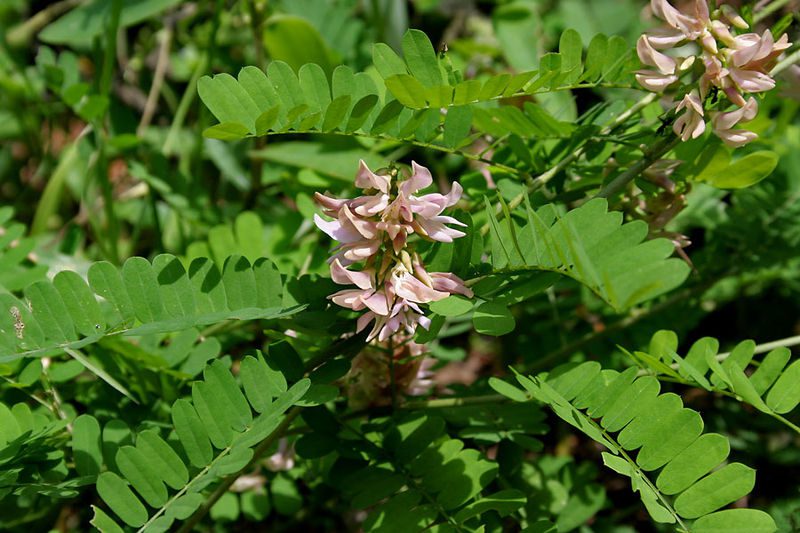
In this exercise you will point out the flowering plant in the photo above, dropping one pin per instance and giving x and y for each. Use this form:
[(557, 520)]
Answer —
[(734, 65)]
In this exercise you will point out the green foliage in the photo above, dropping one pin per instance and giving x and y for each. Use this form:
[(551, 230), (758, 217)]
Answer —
[(589, 244), (304, 99), (15, 270), (216, 431), (667, 437), (133, 283), (138, 299), (770, 384)]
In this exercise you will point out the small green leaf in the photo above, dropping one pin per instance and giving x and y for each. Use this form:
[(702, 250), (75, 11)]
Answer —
[(453, 305), (493, 318), (421, 58), (227, 131), (785, 394), (716, 490), (119, 497), (387, 61), (335, 113), (191, 433), (408, 91), (103, 522), (735, 521), (457, 125), (86, 445), (746, 171), (506, 389)]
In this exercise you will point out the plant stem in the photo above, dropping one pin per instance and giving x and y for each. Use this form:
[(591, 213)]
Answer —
[(661, 147), (787, 62), (158, 80)]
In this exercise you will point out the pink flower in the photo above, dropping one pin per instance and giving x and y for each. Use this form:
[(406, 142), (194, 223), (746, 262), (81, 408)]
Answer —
[(390, 287), (690, 124), (754, 52), (723, 123), (406, 285), (366, 296), (360, 238), (654, 80), (691, 25), (441, 281), (663, 38), (404, 316)]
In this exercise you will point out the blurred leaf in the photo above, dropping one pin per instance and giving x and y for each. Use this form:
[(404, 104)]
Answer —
[(294, 40), (81, 25)]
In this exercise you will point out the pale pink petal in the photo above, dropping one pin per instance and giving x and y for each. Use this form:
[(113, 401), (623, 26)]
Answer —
[(436, 230), (351, 298), (736, 138), (723, 33), (412, 289), (366, 228), (654, 81), (420, 178), (366, 179), (330, 205), (448, 282), (343, 276), (653, 58), (336, 230), (378, 303), (664, 38), (368, 206), (752, 81)]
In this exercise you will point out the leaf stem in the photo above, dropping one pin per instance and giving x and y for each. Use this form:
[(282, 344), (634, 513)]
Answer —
[(226, 483)]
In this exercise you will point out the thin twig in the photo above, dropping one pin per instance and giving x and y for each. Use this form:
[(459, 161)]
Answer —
[(769, 9), (158, 80)]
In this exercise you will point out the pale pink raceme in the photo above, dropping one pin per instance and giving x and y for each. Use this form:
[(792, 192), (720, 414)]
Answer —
[(374, 228), (734, 64)]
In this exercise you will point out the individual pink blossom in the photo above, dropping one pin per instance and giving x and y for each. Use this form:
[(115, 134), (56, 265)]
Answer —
[(690, 125), (441, 281), (366, 296), (758, 52), (691, 24), (664, 75), (723, 124), (360, 238)]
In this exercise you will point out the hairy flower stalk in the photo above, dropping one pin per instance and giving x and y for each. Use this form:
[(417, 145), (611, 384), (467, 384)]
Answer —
[(733, 65), (388, 279)]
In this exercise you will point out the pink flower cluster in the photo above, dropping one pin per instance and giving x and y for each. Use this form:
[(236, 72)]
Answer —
[(374, 228), (736, 65)]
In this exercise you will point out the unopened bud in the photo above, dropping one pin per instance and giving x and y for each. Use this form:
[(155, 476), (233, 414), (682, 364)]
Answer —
[(687, 63), (733, 17)]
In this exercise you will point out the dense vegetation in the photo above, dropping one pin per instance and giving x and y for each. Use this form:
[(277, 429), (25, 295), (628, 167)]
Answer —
[(330, 265)]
